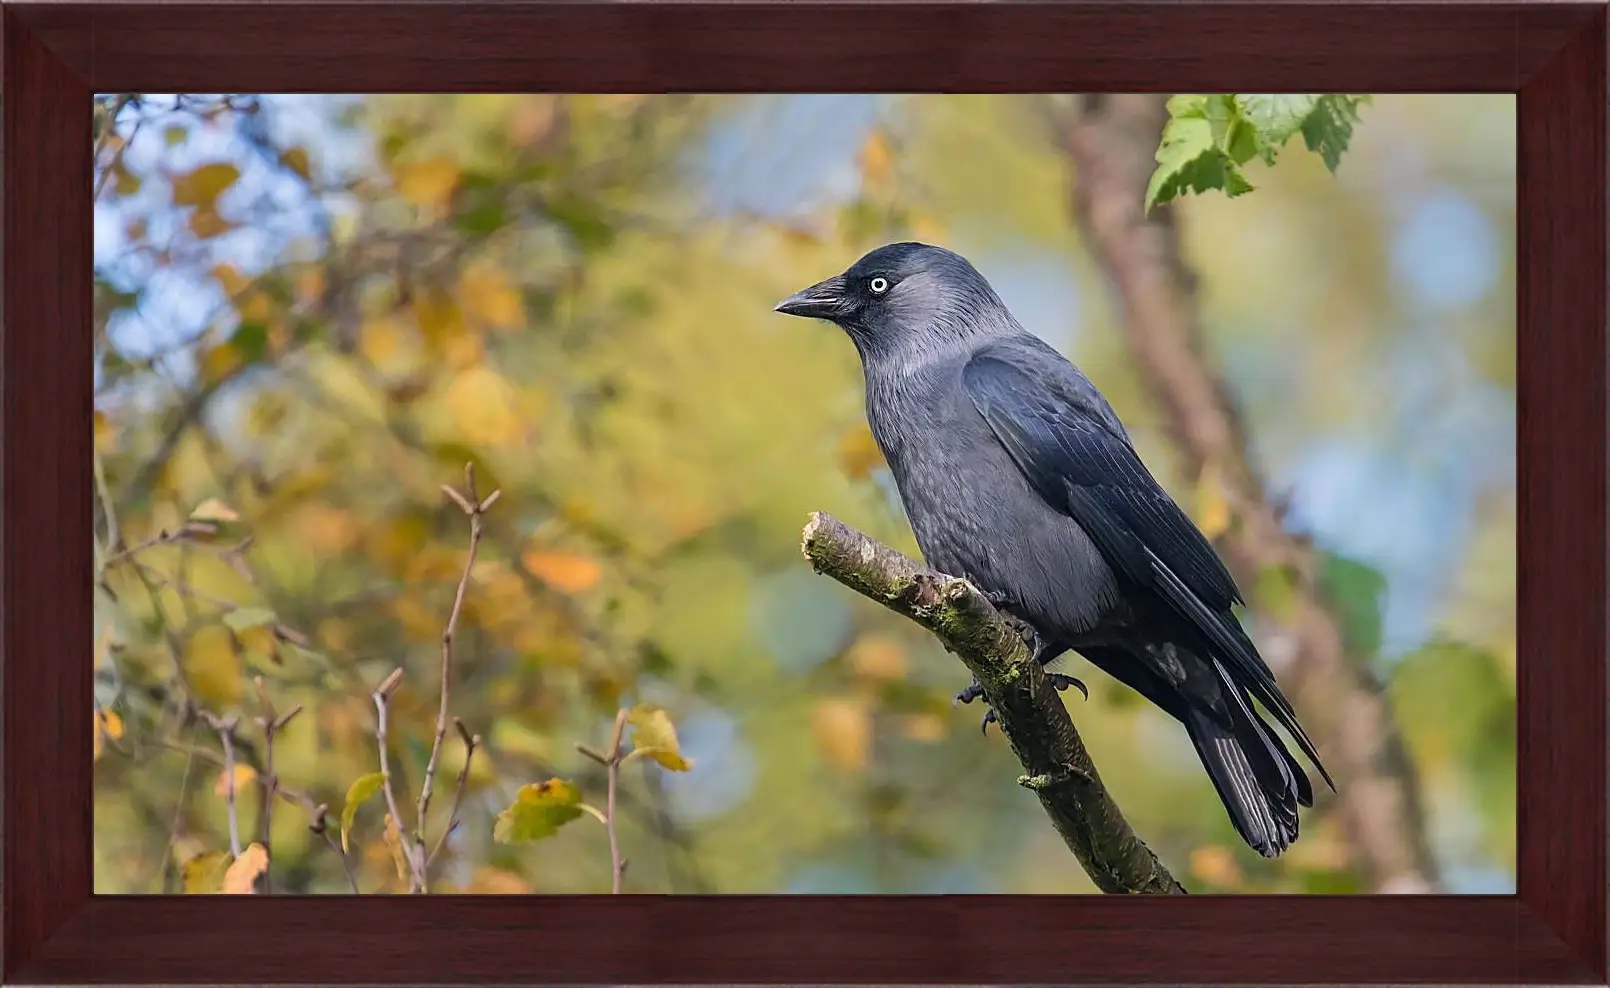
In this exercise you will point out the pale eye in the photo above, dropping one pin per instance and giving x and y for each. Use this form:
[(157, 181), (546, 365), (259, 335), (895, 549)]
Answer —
[(879, 285)]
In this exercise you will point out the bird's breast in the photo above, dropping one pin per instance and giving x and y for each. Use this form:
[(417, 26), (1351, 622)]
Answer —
[(975, 515)]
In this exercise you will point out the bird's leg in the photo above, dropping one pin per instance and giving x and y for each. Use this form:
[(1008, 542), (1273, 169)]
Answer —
[(968, 695)]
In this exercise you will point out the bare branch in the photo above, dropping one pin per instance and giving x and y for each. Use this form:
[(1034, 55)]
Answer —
[(321, 826), (474, 508), (1057, 767), (617, 865), (271, 724), (382, 695), (226, 734), (471, 742)]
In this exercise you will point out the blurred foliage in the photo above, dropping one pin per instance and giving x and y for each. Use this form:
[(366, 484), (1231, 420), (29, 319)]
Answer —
[(311, 314)]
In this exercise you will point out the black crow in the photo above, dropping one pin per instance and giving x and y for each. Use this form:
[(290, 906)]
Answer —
[(1016, 474)]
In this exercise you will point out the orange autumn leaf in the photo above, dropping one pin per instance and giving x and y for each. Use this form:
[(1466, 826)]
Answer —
[(241, 878), (244, 774), (566, 572)]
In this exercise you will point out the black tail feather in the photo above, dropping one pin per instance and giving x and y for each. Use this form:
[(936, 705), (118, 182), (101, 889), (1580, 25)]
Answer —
[(1258, 780)]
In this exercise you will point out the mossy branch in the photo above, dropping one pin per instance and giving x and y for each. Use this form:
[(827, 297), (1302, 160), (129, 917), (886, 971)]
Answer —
[(1057, 768)]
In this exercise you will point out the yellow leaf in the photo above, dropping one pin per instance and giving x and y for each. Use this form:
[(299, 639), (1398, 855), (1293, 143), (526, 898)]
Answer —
[(859, 453), (124, 181), (490, 297), (481, 403), (565, 572), (326, 530), (532, 119), (538, 811), (1212, 504), (241, 878), (419, 623), (464, 352), (206, 223), (877, 657), (259, 640), (296, 160), (220, 361), (496, 881), (390, 346), (429, 182), (927, 728), (1216, 865), (212, 667), (244, 774), (393, 841), (655, 736), (203, 186), (204, 873), (877, 158), (103, 728), (842, 730), (105, 432), (213, 509), (361, 789), (230, 279), (439, 317), (309, 284)]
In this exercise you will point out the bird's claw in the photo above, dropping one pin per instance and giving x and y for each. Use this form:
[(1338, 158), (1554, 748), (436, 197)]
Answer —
[(968, 695), (989, 718), (1062, 683)]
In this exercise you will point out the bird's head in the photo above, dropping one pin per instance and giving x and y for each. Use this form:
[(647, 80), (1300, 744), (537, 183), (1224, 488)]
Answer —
[(903, 296)]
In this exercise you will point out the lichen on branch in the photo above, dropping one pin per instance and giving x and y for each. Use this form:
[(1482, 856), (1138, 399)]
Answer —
[(1057, 767)]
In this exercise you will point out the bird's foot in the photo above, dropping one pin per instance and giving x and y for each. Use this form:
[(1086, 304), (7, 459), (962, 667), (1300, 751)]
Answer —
[(1062, 683), (968, 695), (973, 691)]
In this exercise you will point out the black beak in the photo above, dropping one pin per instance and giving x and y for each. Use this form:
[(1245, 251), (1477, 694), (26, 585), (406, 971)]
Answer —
[(823, 300)]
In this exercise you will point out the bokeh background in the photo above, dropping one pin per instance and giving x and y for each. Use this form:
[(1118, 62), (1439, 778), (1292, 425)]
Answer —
[(311, 311)]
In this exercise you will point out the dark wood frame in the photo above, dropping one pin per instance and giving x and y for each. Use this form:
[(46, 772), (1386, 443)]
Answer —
[(57, 54)]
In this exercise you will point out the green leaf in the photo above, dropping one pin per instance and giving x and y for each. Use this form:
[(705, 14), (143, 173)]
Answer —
[(483, 219), (654, 736), (1196, 153), (1354, 591), (538, 811), (1329, 128), (1210, 136), (250, 340), (361, 789), (242, 618), (1274, 117)]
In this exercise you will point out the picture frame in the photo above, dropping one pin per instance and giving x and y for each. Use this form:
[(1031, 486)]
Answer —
[(58, 54)]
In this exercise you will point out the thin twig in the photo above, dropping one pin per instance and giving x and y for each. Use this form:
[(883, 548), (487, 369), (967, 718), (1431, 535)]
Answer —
[(226, 734), (104, 492), (117, 156), (185, 533), (382, 694), (321, 826), (474, 508), (271, 724), (471, 742), (617, 866), (178, 820)]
